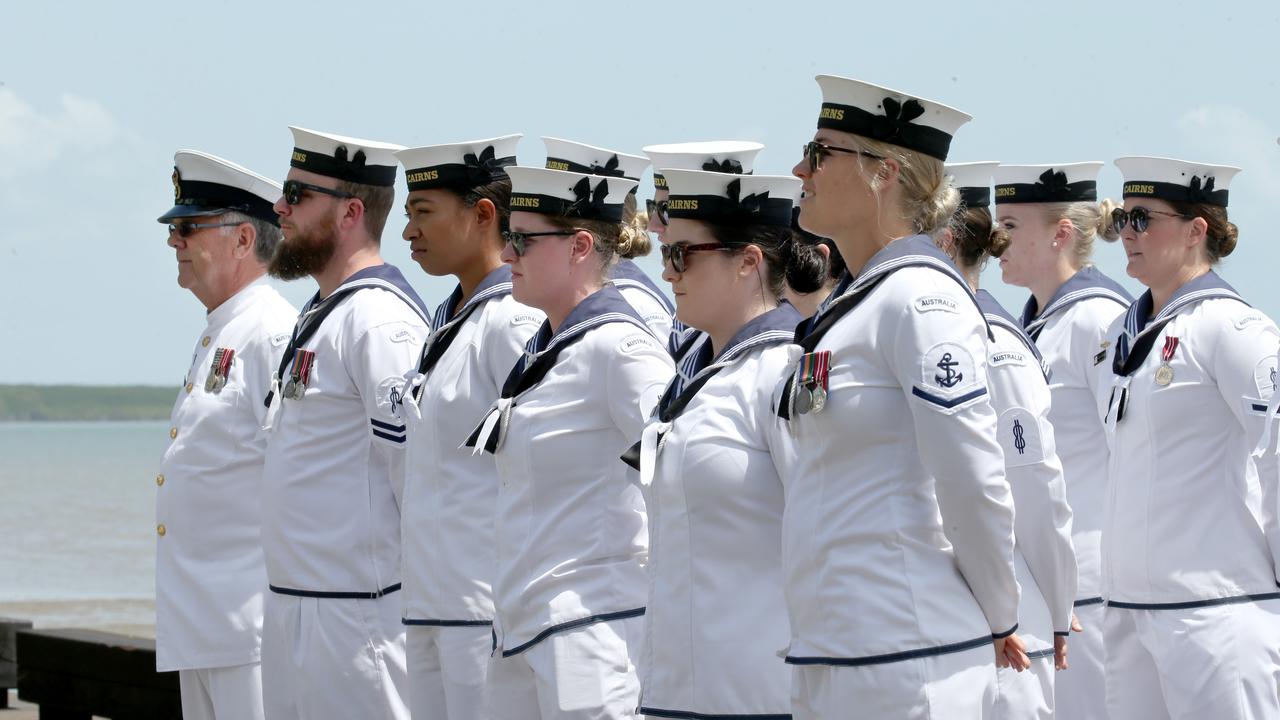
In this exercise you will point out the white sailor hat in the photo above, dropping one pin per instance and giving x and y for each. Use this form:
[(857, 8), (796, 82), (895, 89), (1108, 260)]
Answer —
[(367, 162), (569, 194), (205, 184), (875, 112), (591, 160), (723, 199), (1180, 181), (723, 156), (973, 181), (1064, 182), (462, 165)]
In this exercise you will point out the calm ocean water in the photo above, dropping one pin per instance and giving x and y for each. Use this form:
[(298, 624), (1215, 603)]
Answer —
[(77, 530)]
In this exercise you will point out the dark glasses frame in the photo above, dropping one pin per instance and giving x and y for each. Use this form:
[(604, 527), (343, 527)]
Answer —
[(294, 189), (186, 230), (676, 253), (1140, 217), (813, 151), (660, 207), (520, 242)]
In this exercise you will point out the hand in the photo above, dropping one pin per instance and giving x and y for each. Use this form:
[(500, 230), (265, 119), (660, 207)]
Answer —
[(1011, 652), (1060, 652), (1075, 624)]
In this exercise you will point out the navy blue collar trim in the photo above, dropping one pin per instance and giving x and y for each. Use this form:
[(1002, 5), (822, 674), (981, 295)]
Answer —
[(497, 283), (1088, 282), (627, 273), (385, 276)]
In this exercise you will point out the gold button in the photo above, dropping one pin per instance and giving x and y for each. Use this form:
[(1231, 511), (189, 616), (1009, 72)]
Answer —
[(160, 479), (173, 433), (205, 341), (160, 530), (188, 388)]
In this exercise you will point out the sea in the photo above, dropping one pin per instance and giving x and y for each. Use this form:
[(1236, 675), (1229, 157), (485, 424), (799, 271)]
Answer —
[(77, 523)]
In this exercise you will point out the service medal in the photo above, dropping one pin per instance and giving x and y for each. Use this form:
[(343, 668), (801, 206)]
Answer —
[(1164, 375), (815, 370), (220, 370), (300, 377), (819, 399), (804, 400)]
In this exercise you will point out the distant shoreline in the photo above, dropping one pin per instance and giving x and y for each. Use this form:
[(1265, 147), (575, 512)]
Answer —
[(93, 403)]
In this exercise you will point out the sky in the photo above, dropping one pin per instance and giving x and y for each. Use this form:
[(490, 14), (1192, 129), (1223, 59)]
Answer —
[(95, 98)]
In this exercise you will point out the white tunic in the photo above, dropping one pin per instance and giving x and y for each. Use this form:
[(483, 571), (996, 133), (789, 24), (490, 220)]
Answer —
[(1191, 517), (898, 529), (643, 295), (334, 468), (716, 615), (1045, 560), (571, 530), (450, 494), (1069, 333), (209, 568)]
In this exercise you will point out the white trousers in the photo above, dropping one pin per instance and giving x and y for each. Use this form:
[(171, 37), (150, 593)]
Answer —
[(447, 669), (583, 674), (1081, 689), (225, 693), (326, 659), (1220, 662), (1026, 695), (955, 686)]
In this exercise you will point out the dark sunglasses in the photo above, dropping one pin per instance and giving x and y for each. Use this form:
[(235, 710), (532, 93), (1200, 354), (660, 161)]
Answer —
[(1140, 217), (659, 207), (293, 191), (519, 241), (814, 150), (185, 230), (675, 253)]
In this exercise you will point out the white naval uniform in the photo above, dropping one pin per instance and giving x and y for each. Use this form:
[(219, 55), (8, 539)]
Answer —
[(653, 307), (1192, 534), (209, 569), (1046, 563), (716, 614), (571, 530), (898, 530), (1069, 332), (450, 496), (333, 645)]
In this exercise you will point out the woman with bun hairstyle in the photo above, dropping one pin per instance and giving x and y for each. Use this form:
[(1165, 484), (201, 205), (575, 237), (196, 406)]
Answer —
[(898, 525), (1191, 536), (808, 303), (633, 240), (708, 457), (571, 539), (1046, 563), (458, 205), (1053, 218)]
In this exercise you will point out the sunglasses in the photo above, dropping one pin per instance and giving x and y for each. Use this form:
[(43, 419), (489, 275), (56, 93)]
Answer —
[(814, 152), (1140, 217), (659, 207), (519, 241), (294, 190), (185, 230), (675, 253)]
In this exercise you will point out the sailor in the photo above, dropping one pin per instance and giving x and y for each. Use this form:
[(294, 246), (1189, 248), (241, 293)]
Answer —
[(650, 303), (1191, 536), (1046, 563), (1052, 216), (707, 457), (458, 206), (333, 645), (571, 529), (209, 569), (895, 435)]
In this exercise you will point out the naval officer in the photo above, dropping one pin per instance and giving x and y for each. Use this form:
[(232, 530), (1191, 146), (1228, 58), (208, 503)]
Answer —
[(209, 568)]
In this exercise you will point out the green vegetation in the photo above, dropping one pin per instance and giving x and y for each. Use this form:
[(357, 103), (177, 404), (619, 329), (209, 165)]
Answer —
[(85, 402)]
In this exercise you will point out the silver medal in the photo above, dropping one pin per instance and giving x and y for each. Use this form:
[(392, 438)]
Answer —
[(819, 398), (804, 400)]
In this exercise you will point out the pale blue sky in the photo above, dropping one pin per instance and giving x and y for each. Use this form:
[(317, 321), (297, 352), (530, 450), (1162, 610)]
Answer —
[(95, 98)]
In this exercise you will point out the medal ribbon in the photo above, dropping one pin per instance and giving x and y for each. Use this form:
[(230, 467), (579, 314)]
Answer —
[(1170, 346), (302, 360), (222, 359)]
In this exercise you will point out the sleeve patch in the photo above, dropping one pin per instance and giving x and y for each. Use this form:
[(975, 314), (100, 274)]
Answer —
[(389, 396), (279, 340), (403, 336), (637, 342), (949, 378), (1020, 438), (525, 319), (1003, 357), (1249, 319), (929, 303), (1264, 376)]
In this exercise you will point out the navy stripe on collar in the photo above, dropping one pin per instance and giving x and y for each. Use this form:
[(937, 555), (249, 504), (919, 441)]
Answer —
[(627, 273), (1088, 282), (997, 315), (496, 283), (1205, 287), (385, 276)]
